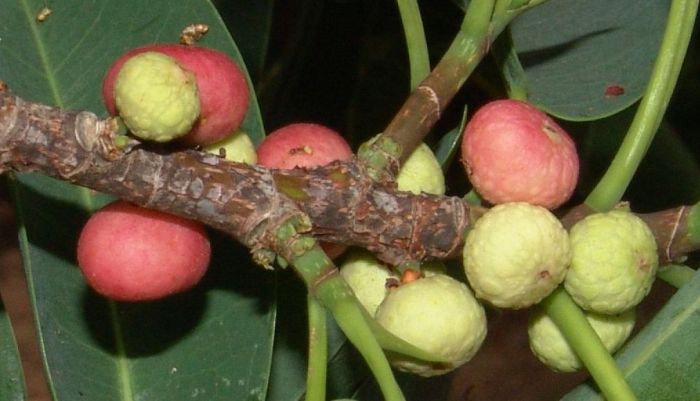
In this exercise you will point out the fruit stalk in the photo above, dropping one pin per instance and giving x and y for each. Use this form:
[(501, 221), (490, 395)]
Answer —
[(506, 57), (424, 106), (482, 23), (693, 223), (676, 275), (418, 59), (587, 345), (80, 148), (318, 352), (327, 286), (238, 199), (647, 120)]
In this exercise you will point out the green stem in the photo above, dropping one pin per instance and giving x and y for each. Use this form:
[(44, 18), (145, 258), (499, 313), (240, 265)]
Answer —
[(585, 342), (512, 71), (473, 198), (477, 20), (646, 122), (611, 188), (329, 288), (416, 44), (500, 10), (693, 224), (525, 4), (318, 352), (676, 275), (348, 314), (424, 107)]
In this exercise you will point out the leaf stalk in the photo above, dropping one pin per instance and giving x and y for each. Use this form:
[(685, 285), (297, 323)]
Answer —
[(318, 352), (587, 345), (650, 112), (418, 59)]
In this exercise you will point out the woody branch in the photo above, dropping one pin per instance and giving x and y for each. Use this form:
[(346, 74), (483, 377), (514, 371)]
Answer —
[(343, 203)]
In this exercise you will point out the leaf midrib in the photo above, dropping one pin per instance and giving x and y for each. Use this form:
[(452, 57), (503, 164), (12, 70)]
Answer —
[(661, 339), (43, 55), (121, 359), (86, 202)]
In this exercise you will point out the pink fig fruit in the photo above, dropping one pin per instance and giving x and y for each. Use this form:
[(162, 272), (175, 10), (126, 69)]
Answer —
[(514, 152), (222, 86), (130, 253)]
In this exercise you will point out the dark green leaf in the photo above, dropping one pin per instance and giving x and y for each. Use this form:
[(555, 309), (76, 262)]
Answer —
[(448, 145), (661, 362), (212, 343), (346, 369), (12, 387), (288, 375), (579, 55), (62, 60)]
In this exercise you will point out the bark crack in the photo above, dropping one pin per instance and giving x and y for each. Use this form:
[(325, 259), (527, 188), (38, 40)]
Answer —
[(343, 204)]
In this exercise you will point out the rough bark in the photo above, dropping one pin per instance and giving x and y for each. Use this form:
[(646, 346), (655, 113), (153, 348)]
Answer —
[(244, 201), (78, 147), (347, 207), (248, 202), (671, 231)]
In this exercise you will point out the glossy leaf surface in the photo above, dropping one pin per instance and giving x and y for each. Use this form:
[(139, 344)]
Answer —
[(11, 376), (589, 59), (213, 343)]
